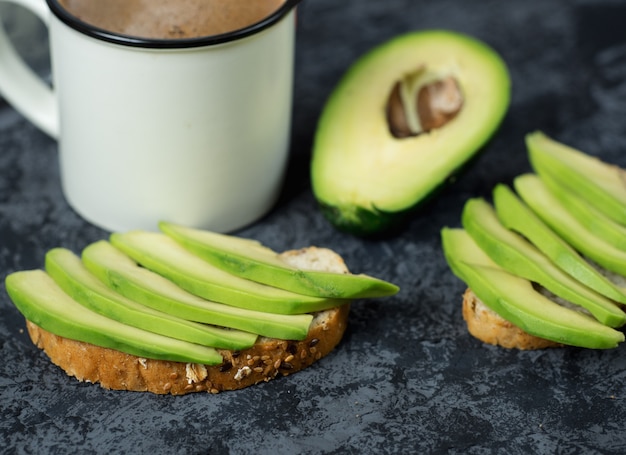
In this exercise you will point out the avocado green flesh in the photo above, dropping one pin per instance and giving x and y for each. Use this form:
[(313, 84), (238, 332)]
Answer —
[(67, 270), (255, 262), (517, 256), (164, 256), (591, 218), (599, 183), (125, 276), (359, 169), (45, 304), (515, 300), (535, 193), (517, 216)]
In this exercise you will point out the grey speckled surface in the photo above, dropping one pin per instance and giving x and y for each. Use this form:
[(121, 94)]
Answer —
[(407, 377)]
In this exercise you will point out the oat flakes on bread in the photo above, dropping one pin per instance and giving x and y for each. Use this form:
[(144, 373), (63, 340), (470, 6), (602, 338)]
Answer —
[(489, 327), (267, 359)]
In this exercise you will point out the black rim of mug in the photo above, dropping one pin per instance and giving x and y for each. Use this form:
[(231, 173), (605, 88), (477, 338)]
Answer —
[(133, 41)]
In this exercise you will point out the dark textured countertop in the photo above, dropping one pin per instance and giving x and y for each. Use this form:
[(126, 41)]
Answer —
[(407, 376)]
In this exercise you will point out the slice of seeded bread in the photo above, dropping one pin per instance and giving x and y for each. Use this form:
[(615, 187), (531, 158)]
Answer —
[(489, 327), (267, 359)]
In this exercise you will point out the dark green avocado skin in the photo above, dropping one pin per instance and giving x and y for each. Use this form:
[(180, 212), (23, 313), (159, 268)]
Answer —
[(362, 222)]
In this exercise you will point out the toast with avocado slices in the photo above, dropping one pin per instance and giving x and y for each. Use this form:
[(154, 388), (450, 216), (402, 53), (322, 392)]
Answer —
[(538, 270), (113, 322)]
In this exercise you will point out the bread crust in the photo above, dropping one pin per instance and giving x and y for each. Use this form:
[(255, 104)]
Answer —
[(267, 359), (489, 327)]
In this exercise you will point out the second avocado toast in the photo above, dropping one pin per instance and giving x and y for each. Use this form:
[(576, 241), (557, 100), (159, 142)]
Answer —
[(537, 239)]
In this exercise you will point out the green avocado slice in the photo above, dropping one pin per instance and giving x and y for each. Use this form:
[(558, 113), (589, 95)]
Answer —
[(364, 177), (122, 274), (590, 217), (67, 270), (44, 303), (251, 260), (517, 216), (518, 256), (515, 299), (599, 183), (535, 193), (164, 256)]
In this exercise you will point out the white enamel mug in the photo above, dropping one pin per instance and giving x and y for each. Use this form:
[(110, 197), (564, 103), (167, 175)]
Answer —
[(193, 131)]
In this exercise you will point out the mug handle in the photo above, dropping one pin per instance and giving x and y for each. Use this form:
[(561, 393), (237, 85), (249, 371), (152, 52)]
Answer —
[(20, 85)]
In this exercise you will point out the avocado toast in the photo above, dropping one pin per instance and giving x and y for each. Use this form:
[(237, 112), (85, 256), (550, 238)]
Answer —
[(105, 319), (537, 274)]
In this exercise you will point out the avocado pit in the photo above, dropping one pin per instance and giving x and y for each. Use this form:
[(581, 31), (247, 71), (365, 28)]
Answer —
[(422, 101)]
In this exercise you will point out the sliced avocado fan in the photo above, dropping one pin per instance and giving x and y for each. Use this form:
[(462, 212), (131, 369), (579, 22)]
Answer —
[(518, 256)]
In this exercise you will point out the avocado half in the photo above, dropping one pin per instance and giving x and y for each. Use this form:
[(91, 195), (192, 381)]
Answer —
[(403, 120)]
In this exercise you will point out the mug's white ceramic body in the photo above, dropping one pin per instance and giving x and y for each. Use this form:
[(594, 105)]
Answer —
[(195, 135)]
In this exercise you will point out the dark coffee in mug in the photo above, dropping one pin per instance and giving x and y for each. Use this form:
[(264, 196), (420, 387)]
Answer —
[(171, 19)]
